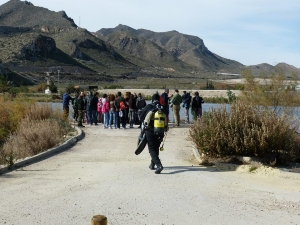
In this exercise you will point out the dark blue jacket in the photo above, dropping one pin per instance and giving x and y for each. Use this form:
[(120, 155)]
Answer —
[(186, 99), (66, 99), (89, 102), (166, 101)]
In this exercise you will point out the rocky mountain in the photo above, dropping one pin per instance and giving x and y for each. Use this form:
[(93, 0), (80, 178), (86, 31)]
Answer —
[(16, 13), (143, 52), (36, 40), (265, 68), (186, 48)]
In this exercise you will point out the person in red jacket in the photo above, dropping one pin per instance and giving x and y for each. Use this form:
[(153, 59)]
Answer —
[(105, 111)]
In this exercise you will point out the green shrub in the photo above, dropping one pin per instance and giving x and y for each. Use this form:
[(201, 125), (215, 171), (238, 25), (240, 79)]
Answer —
[(245, 130)]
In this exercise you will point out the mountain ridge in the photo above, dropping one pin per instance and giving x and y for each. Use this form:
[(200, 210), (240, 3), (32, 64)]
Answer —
[(187, 48), (35, 39)]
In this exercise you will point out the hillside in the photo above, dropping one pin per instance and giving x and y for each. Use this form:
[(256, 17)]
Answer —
[(144, 52), (35, 40), (264, 68), (16, 13), (186, 48)]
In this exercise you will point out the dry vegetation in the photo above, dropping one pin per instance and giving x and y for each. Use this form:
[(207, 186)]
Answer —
[(28, 129), (260, 123)]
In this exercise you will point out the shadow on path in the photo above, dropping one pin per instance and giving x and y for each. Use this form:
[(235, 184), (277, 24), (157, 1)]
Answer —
[(183, 169)]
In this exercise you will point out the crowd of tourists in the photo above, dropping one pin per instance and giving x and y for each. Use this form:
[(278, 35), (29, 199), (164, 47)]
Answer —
[(121, 111)]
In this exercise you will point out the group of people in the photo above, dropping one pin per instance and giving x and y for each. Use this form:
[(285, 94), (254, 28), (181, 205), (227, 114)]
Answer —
[(174, 101), (116, 111)]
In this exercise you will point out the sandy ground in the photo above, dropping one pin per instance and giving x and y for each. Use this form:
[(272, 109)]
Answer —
[(202, 93), (102, 175)]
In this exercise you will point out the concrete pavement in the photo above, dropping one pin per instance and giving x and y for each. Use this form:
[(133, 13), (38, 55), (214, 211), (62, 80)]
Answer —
[(102, 175)]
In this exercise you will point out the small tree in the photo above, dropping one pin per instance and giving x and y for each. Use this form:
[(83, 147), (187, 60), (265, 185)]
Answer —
[(271, 91), (231, 96), (53, 87)]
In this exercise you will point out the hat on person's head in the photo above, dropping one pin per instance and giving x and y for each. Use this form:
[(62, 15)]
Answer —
[(176, 90)]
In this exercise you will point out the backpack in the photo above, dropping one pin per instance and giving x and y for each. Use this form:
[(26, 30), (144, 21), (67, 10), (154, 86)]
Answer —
[(197, 102), (122, 105), (144, 111), (150, 107), (159, 122)]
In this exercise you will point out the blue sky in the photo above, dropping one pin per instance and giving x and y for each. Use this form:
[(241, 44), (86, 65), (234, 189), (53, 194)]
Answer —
[(248, 31)]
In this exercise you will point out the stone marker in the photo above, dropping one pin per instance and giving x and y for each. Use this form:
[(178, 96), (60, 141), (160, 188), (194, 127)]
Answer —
[(99, 220)]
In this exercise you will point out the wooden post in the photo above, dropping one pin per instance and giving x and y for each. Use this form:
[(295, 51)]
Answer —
[(99, 220)]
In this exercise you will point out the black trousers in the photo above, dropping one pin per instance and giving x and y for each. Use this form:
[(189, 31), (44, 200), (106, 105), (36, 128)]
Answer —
[(153, 142), (75, 113)]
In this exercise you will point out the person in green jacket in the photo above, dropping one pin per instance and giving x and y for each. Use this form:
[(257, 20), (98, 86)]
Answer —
[(175, 104)]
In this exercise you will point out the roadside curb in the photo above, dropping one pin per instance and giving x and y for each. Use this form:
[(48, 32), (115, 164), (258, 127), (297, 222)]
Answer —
[(224, 166), (245, 159), (46, 154), (196, 153)]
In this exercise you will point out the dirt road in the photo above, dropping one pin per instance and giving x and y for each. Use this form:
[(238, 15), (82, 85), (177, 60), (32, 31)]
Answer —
[(102, 175)]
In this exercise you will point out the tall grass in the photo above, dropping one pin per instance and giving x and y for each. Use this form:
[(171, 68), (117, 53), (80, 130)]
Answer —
[(11, 112), (33, 129)]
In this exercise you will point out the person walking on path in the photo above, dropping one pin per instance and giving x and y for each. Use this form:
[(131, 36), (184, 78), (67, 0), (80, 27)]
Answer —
[(175, 104), (88, 102), (118, 104), (112, 112), (66, 101), (197, 105), (99, 110), (105, 111), (93, 109), (186, 100), (165, 97), (75, 107), (81, 108), (126, 112), (154, 139), (140, 104), (132, 110)]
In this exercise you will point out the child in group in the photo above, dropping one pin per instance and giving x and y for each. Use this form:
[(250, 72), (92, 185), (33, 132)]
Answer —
[(99, 110)]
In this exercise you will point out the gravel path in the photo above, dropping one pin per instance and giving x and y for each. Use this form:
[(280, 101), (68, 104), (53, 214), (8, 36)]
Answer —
[(102, 175)]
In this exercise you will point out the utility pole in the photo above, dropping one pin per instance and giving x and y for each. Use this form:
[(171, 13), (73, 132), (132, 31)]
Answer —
[(58, 81)]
